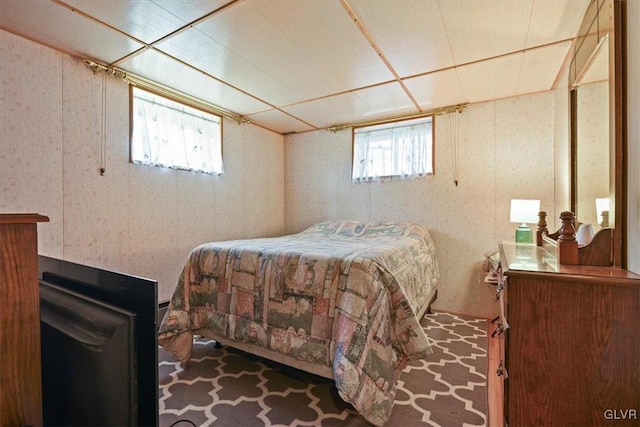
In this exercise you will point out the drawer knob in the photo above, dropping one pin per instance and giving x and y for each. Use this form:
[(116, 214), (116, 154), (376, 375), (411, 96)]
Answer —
[(502, 371), (498, 331)]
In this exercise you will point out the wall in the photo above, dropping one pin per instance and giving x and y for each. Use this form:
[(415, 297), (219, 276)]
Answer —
[(505, 151), (135, 219)]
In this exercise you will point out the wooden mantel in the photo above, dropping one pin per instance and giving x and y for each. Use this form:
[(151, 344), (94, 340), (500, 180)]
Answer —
[(22, 218), (20, 369)]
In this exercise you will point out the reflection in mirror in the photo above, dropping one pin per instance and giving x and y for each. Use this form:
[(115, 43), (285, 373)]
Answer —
[(590, 83), (602, 208), (592, 115)]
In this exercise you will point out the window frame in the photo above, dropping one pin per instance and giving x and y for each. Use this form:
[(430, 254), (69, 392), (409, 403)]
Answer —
[(393, 124), (181, 101)]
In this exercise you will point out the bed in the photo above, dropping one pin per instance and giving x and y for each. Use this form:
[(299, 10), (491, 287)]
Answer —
[(339, 299)]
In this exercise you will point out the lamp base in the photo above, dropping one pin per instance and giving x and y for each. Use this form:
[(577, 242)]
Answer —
[(524, 234)]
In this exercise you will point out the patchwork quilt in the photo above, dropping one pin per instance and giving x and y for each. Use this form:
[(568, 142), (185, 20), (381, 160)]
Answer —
[(339, 294)]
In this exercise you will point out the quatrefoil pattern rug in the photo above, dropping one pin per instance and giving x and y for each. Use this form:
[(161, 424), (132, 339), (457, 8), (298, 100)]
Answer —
[(226, 387)]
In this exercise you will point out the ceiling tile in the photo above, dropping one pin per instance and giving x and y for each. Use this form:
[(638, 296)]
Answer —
[(385, 100), (412, 37), (540, 67), (552, 21), (280, 122), (485, 29), (492, 79), (159, 68), (189, 10), (436, 90), (62, 29), (325, 37)]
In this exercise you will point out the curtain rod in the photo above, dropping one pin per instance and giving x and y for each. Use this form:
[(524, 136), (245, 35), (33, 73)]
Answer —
[(436, 112), (163, 90)]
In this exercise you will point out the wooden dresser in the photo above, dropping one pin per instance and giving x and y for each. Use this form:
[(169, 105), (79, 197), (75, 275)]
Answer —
[(20, 371), (570, 337)]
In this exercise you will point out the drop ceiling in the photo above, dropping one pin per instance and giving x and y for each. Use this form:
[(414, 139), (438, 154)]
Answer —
[(301, 65)]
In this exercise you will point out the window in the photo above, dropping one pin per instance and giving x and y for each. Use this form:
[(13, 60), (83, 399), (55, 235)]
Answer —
[(171, 134), (400, 149)]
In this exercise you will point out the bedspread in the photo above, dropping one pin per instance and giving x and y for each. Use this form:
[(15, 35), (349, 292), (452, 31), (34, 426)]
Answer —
[(341, 294)]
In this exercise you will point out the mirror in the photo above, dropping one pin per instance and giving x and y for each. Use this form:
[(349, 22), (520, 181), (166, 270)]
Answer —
[(596, 120), (592, 133)]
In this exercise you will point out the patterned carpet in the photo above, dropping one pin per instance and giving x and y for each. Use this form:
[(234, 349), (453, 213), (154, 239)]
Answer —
[(225, 387)]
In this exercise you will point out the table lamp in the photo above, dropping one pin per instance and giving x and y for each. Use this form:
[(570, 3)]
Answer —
[(523, 212)]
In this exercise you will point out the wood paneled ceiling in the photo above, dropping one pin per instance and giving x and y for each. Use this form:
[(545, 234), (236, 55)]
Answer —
[(301, 65)]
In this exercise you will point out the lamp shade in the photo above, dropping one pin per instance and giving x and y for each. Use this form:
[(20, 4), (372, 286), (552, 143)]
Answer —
[(524, 211), (585, 234)]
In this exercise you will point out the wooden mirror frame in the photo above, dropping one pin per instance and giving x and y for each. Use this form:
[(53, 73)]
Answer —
[(617, 143)]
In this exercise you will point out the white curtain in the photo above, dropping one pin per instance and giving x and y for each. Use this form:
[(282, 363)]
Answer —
[(173, 135), (401, 150)]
